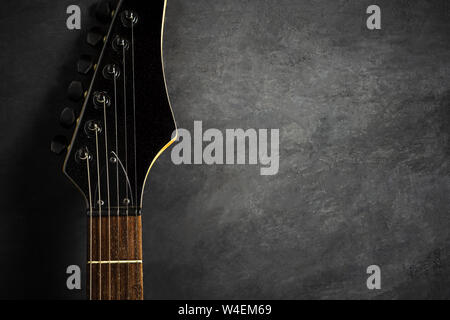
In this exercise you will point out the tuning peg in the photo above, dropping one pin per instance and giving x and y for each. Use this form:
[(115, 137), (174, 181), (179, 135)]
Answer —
[(103, 11), (85, 64), (75, 91), (59, 144), (94, 36), (67, 118)]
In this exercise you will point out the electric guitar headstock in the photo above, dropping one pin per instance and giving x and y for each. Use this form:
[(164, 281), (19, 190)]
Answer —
[(126, 120)]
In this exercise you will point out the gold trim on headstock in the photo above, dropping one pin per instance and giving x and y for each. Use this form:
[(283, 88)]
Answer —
[(88, 94)]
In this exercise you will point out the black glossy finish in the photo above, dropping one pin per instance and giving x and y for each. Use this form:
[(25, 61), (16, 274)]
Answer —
[(136, 142), (59, 145), (85, 64), (75, 91), (67, 118), (94, 36), (103, 11)]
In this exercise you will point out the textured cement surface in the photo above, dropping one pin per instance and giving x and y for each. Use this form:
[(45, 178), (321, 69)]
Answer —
[(364, 124)]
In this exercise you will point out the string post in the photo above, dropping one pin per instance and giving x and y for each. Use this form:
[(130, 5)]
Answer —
[(120, 44), (129, 18), (101, 98), (110, 72), (92, 128)]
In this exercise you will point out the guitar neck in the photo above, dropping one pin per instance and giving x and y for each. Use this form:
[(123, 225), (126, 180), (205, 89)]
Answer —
[(115, 258)]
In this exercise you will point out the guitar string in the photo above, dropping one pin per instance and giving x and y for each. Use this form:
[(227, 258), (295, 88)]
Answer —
[(117, 189), (126, 162), (108, 196), (90, 224), (99, 211), (135, 155)]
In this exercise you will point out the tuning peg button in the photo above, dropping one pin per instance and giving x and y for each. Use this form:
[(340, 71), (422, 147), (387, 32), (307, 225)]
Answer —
[(85, 64), (75, 91), (59, 144), (94, 36), (67, 118), (103, 11)]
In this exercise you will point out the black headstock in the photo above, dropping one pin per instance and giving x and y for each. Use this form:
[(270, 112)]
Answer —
[(126, 120)]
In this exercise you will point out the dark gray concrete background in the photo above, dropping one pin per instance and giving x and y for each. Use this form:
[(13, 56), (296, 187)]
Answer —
[(364, 124)]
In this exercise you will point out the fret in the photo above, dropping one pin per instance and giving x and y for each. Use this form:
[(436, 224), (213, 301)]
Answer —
[(115, 259)]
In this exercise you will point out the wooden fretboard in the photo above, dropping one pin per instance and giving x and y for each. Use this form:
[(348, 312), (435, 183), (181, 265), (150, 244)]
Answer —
[(116, 258)]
